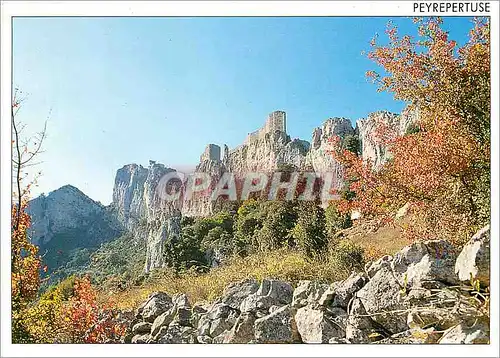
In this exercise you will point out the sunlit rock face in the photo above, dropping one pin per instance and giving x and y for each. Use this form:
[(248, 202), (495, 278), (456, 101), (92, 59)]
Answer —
[(319, 157), (67, 226), (140, 204), (372, 147), (128, 194), (266, 153)]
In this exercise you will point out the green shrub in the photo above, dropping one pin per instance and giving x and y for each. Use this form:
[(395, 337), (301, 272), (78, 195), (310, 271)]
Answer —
[(336, 221), (280, 218), (412, 129), (308, 233), (347, 256), (352, 143)]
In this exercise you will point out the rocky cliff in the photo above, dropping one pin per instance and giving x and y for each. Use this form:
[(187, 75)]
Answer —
[(266, 154), (372, 148), (137, 200)]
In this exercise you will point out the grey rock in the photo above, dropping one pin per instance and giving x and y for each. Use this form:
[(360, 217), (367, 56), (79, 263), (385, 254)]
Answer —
[(257, 304), (237, 292), (197, 312), (157, 304), (220, 338), (162, 320), (183, 316), (372, 268), (160, 332), (462, 334), (220, 325), (270, 293), (278, 327), (440, 310), (273, 308), (339, 294), (204, 326), (204, 339), (281, 292), (474, 259), (220, 310), (153, 295), (141, 339), (176, 334), (181, 300), (360, 327), (243, 329), (307, 292), (383, 294), (426, 264), (409, 255), (141, 328), (218, 319), (336, 340), (317, 326)]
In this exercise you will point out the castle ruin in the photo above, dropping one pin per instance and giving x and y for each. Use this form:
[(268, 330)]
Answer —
[(276, 121), (212, 152)]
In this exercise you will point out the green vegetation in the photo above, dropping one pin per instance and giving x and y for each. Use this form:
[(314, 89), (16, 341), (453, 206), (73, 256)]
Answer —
[(352, 143)]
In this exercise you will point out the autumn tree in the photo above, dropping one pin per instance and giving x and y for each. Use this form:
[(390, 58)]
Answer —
[(25, 261), (441, 165)]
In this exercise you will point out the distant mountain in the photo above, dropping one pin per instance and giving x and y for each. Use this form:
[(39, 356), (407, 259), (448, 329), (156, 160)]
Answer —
[(68, 226)]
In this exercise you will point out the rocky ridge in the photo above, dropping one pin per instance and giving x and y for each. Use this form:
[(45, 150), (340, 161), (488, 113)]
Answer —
[(136, 198), (419, 295), (137, 205)]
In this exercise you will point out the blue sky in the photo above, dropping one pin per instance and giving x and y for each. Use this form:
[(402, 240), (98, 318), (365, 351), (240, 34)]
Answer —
[(126, 90)]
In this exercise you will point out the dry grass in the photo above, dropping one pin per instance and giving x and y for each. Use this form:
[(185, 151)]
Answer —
[(283, 264), (386, 240)]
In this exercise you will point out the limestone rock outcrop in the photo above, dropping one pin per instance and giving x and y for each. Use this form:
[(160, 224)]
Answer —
[(474, 260)]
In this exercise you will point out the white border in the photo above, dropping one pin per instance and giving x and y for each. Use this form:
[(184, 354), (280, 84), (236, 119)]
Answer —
[(230, 8)]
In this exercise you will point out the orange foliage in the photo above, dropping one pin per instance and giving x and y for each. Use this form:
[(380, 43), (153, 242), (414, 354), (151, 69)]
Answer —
[(442, 169), (26, 262), (85, 321)]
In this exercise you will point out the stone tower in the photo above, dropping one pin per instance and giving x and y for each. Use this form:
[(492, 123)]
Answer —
[(276, 121), (212, 152)]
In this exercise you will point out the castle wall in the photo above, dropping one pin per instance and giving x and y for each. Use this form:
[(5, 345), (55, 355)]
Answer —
[(276, 121)]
